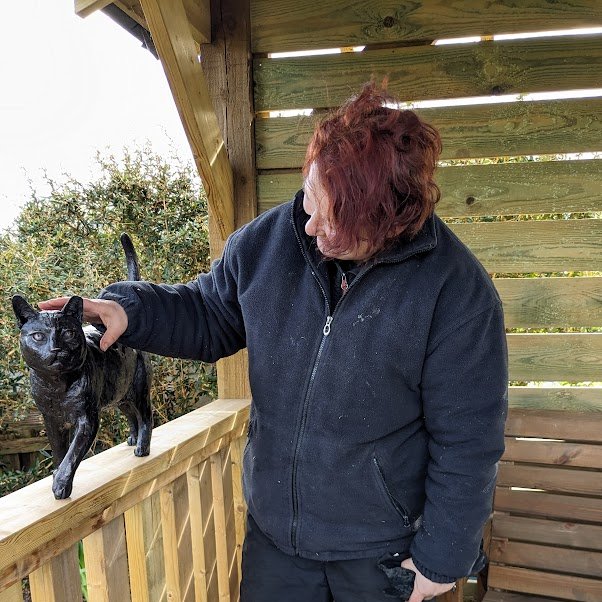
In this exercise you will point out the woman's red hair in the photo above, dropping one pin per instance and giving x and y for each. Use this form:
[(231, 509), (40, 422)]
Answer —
[(376, 165)]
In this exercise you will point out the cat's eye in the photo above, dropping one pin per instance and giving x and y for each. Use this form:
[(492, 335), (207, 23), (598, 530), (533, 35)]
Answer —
[(38, 337), (68, 335)]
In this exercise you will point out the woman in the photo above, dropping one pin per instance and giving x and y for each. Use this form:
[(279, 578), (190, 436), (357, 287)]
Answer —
[(377, 362)]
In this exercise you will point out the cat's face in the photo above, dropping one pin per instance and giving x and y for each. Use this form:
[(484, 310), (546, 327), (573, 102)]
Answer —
[(52, 341)]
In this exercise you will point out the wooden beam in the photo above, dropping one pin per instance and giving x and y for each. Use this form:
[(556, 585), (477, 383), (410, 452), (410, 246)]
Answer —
[(84, 8), (176, 47), (227, 65), (199, 19)]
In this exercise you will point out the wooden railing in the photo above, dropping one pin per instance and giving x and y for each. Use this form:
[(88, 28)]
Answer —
[(168, 527)]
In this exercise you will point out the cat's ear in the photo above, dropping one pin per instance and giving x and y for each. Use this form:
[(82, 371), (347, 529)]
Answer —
[(23, 310), (75, 308)]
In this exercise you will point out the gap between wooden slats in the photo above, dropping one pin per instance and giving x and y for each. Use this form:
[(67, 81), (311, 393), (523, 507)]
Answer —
[(555, 453), (288, 25), (561, 480), (559, 560), (543, 531), (430, 72), (505, 129), (544, 583), (477, 190)]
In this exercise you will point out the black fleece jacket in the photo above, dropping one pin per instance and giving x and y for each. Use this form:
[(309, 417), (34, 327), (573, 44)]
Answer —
[(376, 426)]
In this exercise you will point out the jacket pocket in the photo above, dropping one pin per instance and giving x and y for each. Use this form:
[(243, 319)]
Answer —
[(399, 508)]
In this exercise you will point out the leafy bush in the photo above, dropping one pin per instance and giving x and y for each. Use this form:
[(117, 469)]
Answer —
[(67, 242)]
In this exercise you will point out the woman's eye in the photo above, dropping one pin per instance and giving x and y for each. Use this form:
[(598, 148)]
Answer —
[(38, 337), (68, 335)]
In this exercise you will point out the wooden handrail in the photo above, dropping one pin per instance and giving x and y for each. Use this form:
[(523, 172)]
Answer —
[(35, 528)]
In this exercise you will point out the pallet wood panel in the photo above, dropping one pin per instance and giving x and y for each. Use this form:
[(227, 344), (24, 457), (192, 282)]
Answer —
[(505, 129), (480, 190), (548, 505), (547, 584), (561, 480), (533, 246), (430, 72), (580, 455), (539, 530), (561, 560), (288, 25), (570, 357), (551, 424), (570, 399), (58, 579), (551, 302), (106, 561)]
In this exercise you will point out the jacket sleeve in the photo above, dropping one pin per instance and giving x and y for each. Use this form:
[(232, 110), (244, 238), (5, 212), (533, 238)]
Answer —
[(464, 390), (199, 320)]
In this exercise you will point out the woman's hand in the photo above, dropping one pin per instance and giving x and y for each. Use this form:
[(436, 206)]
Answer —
[(96, 311), (424, 589)]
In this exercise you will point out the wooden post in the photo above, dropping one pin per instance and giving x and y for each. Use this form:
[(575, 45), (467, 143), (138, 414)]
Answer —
[(227, 66)]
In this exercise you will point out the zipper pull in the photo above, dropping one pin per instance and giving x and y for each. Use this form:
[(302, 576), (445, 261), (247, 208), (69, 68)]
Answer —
[(326, 330), (344, 284)]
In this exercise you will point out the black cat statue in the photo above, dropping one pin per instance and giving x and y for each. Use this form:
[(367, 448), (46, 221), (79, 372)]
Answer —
[(72, 379)]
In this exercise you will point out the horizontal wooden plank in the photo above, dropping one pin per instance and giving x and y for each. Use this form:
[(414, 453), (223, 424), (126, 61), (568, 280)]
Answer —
[(23, 445), (555, 424), (534, 246), (573, 357), (556, 453), (556, 479), (548, 505), (539, 530), (287, 25), (551, 302), (505, 129), (496, 596), (430, 72), (543, 583), (534, 556), (478, 190), (570, 399)]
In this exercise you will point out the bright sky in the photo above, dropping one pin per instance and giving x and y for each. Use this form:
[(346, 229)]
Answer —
[(70, 87)]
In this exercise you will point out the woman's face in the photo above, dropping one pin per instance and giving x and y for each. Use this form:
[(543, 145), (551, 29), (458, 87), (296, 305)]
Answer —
[(320, 225)]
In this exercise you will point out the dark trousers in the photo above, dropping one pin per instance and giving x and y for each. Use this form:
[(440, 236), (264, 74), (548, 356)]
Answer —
[(270, 575)]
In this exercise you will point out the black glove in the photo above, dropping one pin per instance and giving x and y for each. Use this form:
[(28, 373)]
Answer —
[(401, 579)]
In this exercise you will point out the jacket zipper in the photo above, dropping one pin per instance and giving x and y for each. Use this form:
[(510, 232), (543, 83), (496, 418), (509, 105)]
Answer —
[(401, 510)]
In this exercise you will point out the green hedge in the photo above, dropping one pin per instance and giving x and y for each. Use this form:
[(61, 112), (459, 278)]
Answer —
[(67, 242)]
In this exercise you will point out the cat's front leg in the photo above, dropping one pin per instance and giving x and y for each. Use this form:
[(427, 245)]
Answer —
[(58, 437), (85, 432)]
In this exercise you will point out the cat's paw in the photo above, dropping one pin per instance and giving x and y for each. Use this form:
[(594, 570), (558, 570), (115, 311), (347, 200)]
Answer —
[(131, 440), (142, 451), (61, 486)]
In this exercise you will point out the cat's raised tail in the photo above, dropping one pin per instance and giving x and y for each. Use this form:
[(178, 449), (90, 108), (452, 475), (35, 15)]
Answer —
[(130, 257)]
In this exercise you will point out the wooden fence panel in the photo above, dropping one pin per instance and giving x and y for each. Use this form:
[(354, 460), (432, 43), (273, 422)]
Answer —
[(106, 561), (240, 509), (468, 132), (569, 426), (58, 579), (556, 453), (12, 594), (430, 72), (479, 190), (569, 399), (288, 25)]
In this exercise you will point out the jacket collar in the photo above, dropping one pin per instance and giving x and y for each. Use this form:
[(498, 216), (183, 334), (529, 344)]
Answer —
[(424, 240)]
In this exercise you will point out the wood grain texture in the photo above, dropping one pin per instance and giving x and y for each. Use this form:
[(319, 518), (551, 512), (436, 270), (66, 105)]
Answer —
[(577, 400), (549, 505), (430, 72), (177, 49), (544, 583), (13, 594), (559, 560), (570, 357), (551, 302), (36, 527), (83, 8), (537, 530), (580, 455), (58, 580), (555, 424), (495, 596), (240, 509), (555, 479), (505, 129), (287, 25), (106, 560), (196, 533), (479, 190)]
